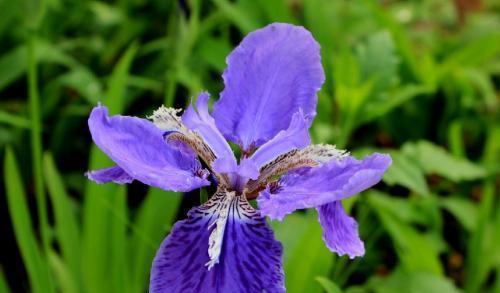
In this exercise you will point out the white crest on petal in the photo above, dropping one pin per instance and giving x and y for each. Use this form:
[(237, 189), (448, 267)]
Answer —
[(167, 119), (217, 236), (323, 153), (310, 156)]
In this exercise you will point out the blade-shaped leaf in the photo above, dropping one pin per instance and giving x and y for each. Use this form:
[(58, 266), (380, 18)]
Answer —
[(154, 219), (4, 287), (66, 226), (62, 273), (119, 266), (36, 265), (328, 285), (98, 211)]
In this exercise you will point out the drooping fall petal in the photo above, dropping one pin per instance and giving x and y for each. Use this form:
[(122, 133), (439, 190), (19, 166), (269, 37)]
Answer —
[(137, 146), (113, 174), (317, 186), (340, 232), (223, 246)]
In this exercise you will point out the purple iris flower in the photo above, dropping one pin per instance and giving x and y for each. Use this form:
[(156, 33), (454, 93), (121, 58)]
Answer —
[(267, 106)]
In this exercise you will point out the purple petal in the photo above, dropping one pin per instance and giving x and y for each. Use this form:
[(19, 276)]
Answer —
[(138, 147), (238, 174), (225, 165), (340, 232), (249, 261), (273, 72), (295, 137), (248, 169), (314, 187), (204, 124), (112, 174)]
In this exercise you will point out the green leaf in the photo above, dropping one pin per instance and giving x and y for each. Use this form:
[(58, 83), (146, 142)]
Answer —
[(403, 209), (66, 225), (12, 66), (482, 247), (98, 209), (456, 139), (237, 15), (144, 83), (378, 61), (400, 37), (485, 87), (96, 248), (119, 263), (317, 19), (328, 285), (84, 82), (14, 120), (379, 65), (435, 160), (203, 195), (118, 82), (36, 127), (36, 266), (350, 93), (276, 11), (474, 53), (4, 287), (305, 255), (412, 282), (154, 219), (12, 12), (391, 100), (214, 51), (465, 211), (14, 63), (33, 12), (406, 172), (414, 249), (106, 14), (62, 273)]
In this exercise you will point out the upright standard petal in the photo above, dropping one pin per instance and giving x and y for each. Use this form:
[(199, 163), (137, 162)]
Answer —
[(314, 187), (113, 174), (223, 246), (201, 122), (273, 72), (340, 232), (137, 146), (295, 137)]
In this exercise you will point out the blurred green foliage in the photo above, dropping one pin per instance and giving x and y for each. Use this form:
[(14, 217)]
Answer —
[(417, 79)]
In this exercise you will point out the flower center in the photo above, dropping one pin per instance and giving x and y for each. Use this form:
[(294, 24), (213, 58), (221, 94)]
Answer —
[(256, 169)]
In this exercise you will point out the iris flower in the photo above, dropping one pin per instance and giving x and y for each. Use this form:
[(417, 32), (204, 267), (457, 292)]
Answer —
[(266, 108)]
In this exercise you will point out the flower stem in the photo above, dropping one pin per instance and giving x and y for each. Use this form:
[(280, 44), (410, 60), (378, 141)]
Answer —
[(36, 139), (203, 195)]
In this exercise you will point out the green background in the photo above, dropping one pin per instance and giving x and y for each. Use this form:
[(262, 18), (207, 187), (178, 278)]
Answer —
[(417, 79)]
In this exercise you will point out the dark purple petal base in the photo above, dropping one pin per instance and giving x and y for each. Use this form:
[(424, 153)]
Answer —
[(250, 259)]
